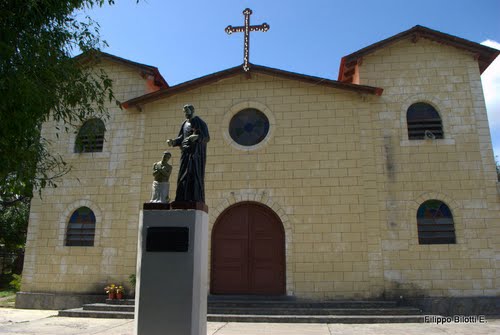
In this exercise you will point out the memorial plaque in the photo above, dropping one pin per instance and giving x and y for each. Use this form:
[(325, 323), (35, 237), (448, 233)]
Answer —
[(167, 239)]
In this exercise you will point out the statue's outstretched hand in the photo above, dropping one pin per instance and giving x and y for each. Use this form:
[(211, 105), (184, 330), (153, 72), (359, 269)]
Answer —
[(170, 143)]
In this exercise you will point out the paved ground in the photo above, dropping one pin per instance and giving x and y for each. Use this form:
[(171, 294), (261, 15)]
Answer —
[(28, 322)]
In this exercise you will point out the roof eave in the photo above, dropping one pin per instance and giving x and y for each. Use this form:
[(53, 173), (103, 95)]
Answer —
[(485, 55), (320, 81), (186, 86), (198, 82), (151, 70)]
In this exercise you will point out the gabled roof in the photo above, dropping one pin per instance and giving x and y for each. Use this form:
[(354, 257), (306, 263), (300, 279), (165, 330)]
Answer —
[(254, 69), (96, 55), (485, 55)]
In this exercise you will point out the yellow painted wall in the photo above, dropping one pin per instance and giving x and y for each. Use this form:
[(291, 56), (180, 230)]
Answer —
[(337, 168)]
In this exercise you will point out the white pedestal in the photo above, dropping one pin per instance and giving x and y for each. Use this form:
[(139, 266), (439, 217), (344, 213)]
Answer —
[(171, 288)]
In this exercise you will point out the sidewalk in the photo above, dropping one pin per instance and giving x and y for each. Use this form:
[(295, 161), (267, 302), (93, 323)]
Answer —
[(41, 322)]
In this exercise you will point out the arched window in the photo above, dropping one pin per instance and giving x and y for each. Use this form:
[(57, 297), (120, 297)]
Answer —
[(90, 137), (81, 228), (424, 122), (435, 223)]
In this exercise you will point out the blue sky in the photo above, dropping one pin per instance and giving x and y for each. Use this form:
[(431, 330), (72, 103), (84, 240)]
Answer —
[(186, 39)]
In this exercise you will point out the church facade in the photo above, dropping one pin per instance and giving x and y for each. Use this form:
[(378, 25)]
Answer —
[(380, 184)]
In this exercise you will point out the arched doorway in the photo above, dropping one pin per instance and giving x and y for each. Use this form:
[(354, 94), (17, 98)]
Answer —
[(248, 251)]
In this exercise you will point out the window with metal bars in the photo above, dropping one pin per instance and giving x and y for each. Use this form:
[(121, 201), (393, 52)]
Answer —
[(81, 228), (90, 137), (424, 122), (435, 223)]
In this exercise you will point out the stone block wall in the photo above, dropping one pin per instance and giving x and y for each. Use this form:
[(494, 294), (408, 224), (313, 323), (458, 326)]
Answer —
[(309, 171), (337, 168), (458, 170), (107, 182)]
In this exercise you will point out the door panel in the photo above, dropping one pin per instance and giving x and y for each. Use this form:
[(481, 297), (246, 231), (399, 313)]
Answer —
[(229, 253), (248, 251)]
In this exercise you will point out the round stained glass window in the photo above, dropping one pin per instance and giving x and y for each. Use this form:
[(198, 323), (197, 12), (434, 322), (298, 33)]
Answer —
[(249, 127)]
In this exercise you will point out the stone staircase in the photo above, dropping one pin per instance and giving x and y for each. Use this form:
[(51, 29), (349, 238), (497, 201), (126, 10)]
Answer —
[(112, 309), (248, 309)]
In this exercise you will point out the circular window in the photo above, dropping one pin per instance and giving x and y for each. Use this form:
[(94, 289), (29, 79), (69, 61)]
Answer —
[(249, 127)]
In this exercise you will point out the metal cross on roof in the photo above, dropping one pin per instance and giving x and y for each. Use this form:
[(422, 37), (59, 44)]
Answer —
[(247, 28)]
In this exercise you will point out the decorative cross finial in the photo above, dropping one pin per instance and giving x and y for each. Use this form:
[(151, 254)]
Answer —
[(247, 28)]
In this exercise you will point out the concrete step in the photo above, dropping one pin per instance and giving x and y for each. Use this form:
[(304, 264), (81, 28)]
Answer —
[(109, 307), (273, 311), (130, 302), (81, 313), (313, 311), (317, 318), (302, 304)]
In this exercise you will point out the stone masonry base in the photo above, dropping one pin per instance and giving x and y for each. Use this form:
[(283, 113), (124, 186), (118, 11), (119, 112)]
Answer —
[(56, 301)]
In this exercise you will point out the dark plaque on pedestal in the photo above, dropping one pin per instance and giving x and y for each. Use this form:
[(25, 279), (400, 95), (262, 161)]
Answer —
[(167, 239)]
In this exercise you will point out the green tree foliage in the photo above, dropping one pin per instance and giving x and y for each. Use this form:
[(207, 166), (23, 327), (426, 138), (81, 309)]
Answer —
[(14, 225), (40, 81), (13, 229)]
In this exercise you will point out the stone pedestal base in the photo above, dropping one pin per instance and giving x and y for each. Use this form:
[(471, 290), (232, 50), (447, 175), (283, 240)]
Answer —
[(171, 289)]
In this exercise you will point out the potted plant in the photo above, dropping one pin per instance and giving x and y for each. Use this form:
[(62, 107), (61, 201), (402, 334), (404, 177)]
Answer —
[(111, 291), (119, 291), (132, 280)]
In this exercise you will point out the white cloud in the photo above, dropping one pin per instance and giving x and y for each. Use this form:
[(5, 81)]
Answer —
[(491, 87)]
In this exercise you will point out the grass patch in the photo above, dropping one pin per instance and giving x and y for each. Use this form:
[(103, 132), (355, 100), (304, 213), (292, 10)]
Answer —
[(8, 298), (9, 285), (7, 293)]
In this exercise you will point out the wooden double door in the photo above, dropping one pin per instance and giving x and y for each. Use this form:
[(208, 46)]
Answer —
[(248, 251)]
